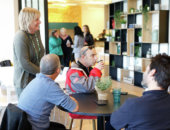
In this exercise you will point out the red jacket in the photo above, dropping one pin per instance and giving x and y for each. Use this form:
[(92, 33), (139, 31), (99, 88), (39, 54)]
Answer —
[(80, 79)]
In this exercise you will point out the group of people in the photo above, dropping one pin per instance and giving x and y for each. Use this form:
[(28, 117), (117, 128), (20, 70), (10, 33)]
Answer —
[(63, 46), (34, 75)]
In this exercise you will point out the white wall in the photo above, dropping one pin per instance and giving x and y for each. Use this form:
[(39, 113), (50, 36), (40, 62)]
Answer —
[(93, 16), (8, 27)]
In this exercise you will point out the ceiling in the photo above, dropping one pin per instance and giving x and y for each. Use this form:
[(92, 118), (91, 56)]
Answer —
[(77, 2)]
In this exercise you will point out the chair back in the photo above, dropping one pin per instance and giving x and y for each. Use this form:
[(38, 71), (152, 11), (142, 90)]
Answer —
[(14, 119)]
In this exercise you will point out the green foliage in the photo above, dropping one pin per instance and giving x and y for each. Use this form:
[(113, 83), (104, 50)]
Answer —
[(123, 21), (145, 14), (139, 34), (117, 18), (108, 35), (131, 9), (104, 83)]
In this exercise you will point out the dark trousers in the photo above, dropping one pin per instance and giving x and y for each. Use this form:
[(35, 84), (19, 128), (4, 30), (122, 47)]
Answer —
[(107, 124), (56, 126), (67, 59), (61, 60)]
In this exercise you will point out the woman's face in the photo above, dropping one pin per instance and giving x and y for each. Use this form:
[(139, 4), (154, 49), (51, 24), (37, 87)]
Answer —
[(63, 32), (84, 29), (56, 34), (34, 26)]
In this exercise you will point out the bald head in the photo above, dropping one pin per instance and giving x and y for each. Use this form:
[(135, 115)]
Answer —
[(88, 56), (49, 64), (83, 51)]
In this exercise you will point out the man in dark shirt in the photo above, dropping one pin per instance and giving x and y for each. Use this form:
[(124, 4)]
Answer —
[(152, 110)]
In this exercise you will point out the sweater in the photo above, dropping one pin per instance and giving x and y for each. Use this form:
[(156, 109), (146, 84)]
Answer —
[(149, 112), (55, 46), (26, 64)]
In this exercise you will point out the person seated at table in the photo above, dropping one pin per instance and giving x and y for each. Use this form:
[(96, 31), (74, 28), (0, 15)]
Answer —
[(152, 110), (81, 77), (42, 94)]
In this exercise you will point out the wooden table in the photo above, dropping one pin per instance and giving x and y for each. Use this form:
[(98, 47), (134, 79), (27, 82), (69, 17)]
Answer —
[(88, 106)]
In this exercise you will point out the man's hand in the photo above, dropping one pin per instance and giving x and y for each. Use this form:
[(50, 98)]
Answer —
[(77, 104), (100, 65)]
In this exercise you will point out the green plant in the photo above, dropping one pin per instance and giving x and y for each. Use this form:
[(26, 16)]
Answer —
[(117, 18), (104, 83), (145, 14), (139, 34), (131, 9), (123, 21), (108, 35)]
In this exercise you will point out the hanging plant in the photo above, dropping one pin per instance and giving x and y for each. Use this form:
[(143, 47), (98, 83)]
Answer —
[(145, 15), (117, 18)]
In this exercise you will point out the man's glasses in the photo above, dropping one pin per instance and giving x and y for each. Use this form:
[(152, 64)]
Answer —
[(88, 48)]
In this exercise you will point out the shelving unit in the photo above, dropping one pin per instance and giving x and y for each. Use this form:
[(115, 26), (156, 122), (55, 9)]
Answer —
[(128, 55)]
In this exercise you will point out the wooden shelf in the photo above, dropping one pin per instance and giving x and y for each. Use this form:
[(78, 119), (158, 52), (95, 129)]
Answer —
[(161, 17), (145, 63), (134, 63), (130, 41)]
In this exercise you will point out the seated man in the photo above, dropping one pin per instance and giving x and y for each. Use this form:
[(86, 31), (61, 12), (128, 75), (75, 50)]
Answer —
[(152, 110), (42, 94), (81, 77)]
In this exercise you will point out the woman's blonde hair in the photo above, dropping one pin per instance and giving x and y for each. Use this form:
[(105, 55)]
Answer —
[(26, 16), (63, 30)]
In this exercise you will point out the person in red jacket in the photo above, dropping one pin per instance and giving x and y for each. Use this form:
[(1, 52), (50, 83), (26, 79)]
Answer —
[(81, 77)]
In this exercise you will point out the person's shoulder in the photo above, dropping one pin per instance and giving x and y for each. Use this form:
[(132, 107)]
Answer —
[(20, 33), (51, 38), (20, 38), (131, 102)]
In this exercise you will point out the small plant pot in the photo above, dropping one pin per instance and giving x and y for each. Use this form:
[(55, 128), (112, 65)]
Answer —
[(123, 25), (156, 6), (107, 38), (131, 10), (102, 95), (140, 39)]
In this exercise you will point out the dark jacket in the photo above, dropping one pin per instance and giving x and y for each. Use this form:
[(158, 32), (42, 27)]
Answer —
[(66, 50), (89, 39), (149, 112), (14, 119)]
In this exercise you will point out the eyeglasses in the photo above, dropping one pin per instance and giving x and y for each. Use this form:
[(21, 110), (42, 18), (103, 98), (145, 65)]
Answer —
[(88, 48)]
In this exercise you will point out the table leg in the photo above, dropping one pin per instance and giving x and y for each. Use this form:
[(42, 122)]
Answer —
[(100, 123)]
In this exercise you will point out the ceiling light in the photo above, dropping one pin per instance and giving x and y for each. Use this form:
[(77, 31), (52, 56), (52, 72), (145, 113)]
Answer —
[(64, 1), (97, 2), (64, 5)]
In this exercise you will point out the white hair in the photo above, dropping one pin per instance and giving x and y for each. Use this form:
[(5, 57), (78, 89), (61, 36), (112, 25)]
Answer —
[(26, 16)]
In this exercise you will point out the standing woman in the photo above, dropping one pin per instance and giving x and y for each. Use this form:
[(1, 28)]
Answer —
[(27, 48), (78, 42), (87, 36), (55, 45), (66, 46)]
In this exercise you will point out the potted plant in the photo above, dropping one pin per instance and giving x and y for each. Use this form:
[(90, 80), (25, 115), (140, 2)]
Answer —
[(103, 87), (123, 23), (108, 37), (139, 34), (117, 18), (131, 10)]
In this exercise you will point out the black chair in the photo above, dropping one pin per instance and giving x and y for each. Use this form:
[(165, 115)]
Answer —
[(14, 119)]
